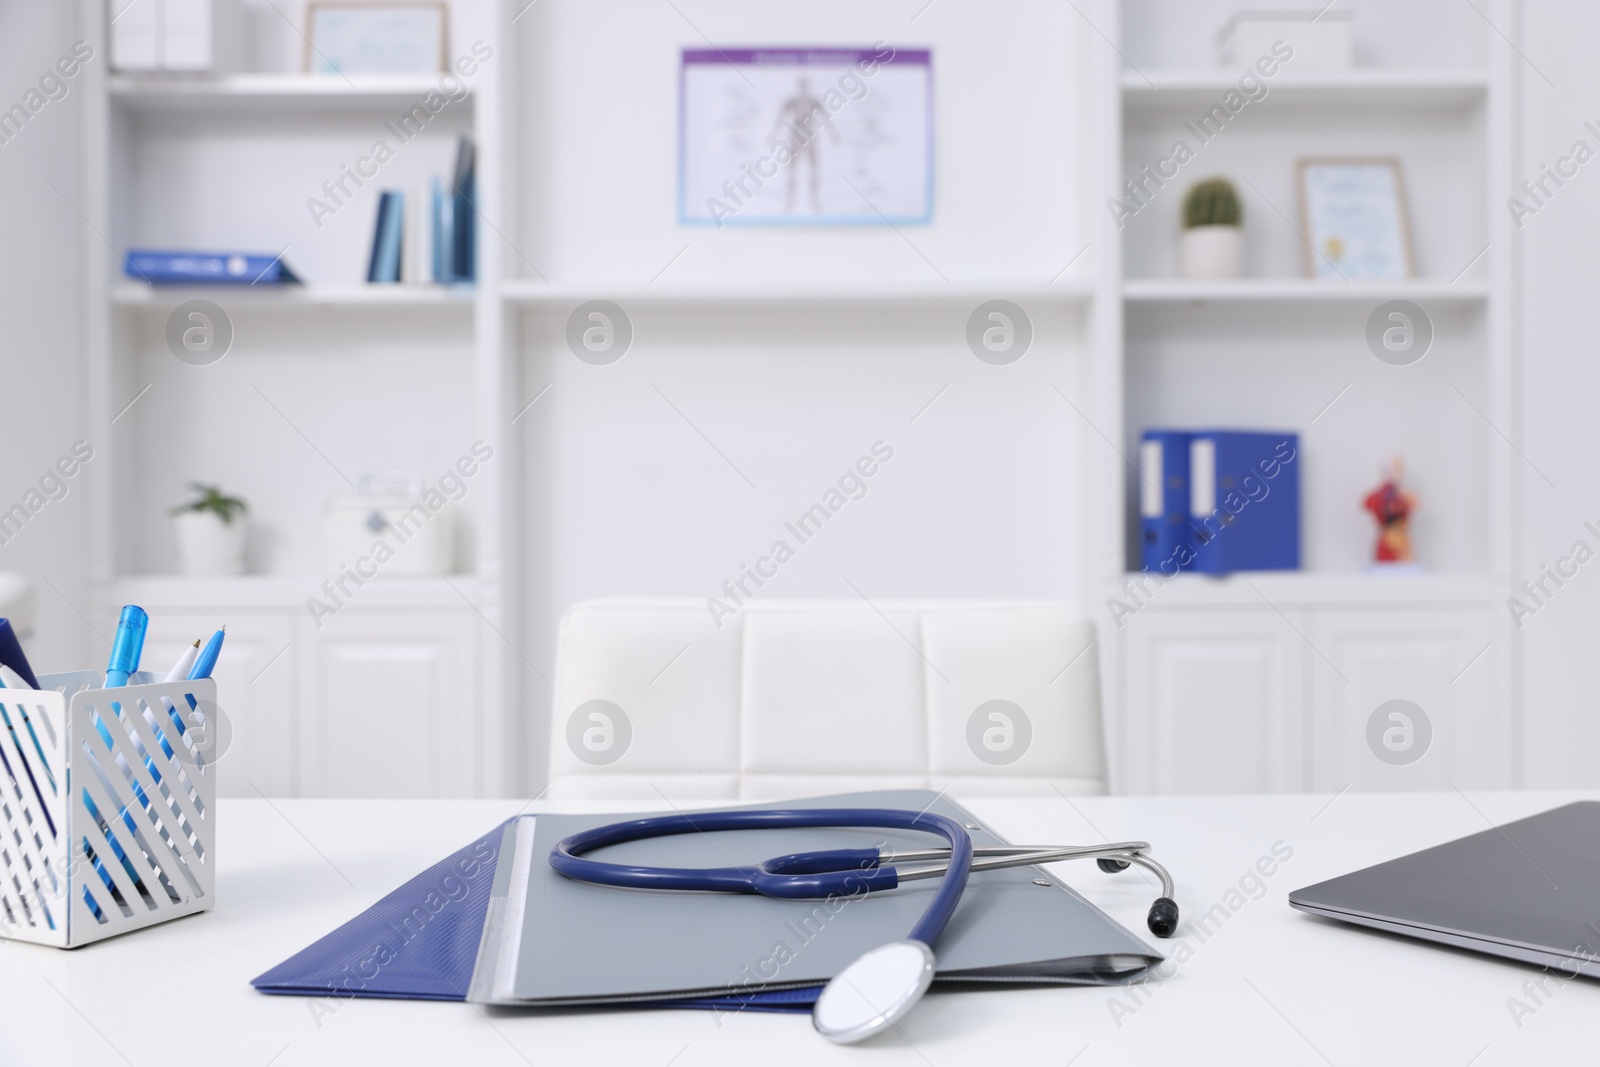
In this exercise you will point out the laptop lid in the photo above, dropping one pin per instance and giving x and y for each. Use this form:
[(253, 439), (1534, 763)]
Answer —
[(1528, 890)]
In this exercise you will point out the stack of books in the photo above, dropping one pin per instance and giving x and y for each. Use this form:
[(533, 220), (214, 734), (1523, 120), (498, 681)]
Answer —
[(445, 249)]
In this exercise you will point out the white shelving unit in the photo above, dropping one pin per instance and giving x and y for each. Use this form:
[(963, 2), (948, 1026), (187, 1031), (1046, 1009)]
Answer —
[(1159, 90), (603, 479), (1028, 291), (1303, 290), (286, 297), (1261, 681), (324, 381), (267, 93)]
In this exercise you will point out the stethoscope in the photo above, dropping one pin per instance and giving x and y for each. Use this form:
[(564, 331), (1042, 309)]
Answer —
[(877, 990)]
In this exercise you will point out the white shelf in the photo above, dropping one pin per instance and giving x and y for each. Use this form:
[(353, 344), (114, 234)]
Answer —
[(535, 294), (385, 296), (1300, 290), (276, 592), (1165, 90), (243, 93), (1305, 588)]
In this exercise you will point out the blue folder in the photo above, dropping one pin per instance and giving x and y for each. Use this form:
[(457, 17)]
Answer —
[(207, 268), (420, 942), (494, 924), (1164, 501), (1244, 508), (425, 960)]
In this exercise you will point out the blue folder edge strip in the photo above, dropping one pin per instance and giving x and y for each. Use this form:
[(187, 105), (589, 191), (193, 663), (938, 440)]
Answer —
[(420, 942)]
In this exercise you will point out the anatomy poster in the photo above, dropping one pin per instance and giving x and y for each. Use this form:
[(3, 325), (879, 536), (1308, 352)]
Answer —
[(810, 136)]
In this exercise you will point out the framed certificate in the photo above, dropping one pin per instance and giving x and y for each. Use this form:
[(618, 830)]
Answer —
[(347, 37), (788, 136), (1353, 215)]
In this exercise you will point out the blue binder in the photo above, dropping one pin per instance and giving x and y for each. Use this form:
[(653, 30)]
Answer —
[(207, 268), (1164, 501), (1244, 506)]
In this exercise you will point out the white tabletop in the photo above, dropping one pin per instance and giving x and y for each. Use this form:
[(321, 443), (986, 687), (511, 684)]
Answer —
[(1263, 984)]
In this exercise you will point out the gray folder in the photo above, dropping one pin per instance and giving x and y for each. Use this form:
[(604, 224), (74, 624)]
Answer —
[(548, 940)]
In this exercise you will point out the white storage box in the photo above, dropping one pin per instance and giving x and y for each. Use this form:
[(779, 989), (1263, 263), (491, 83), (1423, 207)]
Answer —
[(96, 846), (192, 36), (390, 508), (1328, 43)]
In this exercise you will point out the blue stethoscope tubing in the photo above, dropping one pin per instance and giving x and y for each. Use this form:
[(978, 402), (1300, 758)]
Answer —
[(800, 876)]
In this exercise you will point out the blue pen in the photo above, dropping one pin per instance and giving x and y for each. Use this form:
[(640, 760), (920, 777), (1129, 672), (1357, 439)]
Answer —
[(206, 662), (127, 646)]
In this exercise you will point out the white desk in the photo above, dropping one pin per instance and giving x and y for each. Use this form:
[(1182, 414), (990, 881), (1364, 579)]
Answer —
[(1267, 985)]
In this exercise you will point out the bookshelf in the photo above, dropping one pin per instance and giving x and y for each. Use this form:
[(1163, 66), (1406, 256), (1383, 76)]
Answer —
[(271, 93), (1302, 290), (323, 382), (1310, 654), (763, 357), (1162, 90)]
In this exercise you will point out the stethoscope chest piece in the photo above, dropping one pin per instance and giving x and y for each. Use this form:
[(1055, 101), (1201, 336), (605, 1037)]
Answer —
[(874, 992)]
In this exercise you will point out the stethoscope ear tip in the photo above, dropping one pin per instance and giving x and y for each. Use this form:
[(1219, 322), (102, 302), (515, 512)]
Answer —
[(874, 992), (1163, 918)]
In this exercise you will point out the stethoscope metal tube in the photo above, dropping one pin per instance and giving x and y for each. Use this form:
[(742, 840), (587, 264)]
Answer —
[(997, 857), (1163, 917)]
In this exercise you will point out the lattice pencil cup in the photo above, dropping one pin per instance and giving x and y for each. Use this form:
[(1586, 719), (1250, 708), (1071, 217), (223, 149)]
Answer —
[(108, 799)]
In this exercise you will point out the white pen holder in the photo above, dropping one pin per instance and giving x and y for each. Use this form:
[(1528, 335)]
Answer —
[(108, 802)]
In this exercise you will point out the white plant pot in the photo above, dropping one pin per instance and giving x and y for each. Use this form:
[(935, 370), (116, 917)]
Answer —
[(1210, 252), (207, 545)]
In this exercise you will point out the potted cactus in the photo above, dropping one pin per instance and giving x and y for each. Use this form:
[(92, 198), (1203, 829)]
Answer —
[(1213, 243), (211, 532)]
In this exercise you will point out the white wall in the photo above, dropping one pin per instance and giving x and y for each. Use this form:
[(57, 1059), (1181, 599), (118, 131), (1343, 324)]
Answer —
[(41, 300), (986, 493), (598, 174), (1181, 34), (1560, 383)]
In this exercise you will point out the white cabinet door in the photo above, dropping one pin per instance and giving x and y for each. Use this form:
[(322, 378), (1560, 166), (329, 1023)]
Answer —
[(1440, 662), (391, 707), (1215, 702), (256, 692)]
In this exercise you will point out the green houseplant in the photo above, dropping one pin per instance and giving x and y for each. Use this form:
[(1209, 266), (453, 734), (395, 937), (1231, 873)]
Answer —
[(1213, 240), (211, 531)]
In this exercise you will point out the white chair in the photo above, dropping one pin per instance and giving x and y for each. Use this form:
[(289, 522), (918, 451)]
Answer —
[(790, 698)]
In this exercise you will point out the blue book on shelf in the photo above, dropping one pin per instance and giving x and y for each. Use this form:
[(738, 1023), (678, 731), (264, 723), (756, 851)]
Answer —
[(159, 267), (1164, 502), (384, 263), (443, 233), (463, 186), (1244, 500)]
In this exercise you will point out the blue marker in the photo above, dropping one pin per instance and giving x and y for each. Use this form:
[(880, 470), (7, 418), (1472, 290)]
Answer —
[(126, 649), (127, 646)]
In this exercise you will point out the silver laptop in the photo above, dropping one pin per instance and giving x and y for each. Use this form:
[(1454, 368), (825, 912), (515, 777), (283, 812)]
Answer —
[(1528, 890)]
